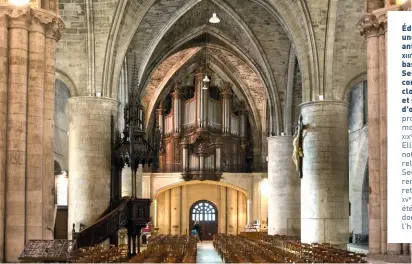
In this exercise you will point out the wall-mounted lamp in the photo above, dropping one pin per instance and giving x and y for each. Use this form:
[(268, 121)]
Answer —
[(320, 97), (19, 2), (98, 94)]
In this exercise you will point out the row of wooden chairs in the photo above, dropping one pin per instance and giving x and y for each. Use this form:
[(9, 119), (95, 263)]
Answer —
[(280, 249), (101, 254), (315, 252), (168, 249)]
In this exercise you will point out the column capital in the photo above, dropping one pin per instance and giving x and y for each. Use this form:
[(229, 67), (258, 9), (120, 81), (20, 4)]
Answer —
[(375, 23), (368, 25), (26, 17)]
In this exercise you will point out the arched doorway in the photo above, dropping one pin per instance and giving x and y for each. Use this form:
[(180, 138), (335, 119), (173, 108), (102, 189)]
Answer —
[(206, 213)]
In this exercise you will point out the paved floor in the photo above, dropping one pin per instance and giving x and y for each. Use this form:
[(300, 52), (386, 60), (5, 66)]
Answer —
[(206, 253)]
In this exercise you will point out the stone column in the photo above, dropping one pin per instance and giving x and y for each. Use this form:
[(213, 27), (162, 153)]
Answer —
[(26, 153), (373, 26), (284, 201), (325, 181), (36, 129), (89, 158), (3, 124)]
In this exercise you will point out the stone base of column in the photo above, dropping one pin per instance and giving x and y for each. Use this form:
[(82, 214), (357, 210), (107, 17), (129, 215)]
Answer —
[(89, 158), (284, 201), (325, 181)]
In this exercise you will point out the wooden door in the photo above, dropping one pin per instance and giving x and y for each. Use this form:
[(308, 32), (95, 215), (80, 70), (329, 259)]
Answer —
[(205, 213)]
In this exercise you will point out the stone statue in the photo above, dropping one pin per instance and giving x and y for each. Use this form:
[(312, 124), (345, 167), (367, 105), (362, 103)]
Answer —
[(297, 147)]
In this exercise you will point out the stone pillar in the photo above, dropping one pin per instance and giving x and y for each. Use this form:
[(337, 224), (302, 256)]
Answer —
[(3, 124), (27, 56), (373, 26), (325, 181), (89, 158), (284, 184), (36, 129)]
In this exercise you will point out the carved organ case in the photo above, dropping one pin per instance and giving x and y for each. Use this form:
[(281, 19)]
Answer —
[(203, 131)]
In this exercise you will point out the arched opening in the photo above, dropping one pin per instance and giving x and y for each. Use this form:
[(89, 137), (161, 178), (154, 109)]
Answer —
[(205, 213)]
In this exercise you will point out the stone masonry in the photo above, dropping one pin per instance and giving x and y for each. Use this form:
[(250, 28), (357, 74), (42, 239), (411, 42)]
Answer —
[(284, 197), (89, 158), (325, 182), (27, 56)]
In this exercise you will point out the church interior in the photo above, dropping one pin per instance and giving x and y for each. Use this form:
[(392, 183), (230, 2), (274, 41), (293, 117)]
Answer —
[(245, 131)]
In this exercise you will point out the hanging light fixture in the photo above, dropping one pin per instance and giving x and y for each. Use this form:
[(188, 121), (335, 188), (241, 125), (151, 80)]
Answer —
[(214, 19), (206, 79)]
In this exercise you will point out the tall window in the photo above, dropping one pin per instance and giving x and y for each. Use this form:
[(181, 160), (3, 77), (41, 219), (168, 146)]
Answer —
[(203, 211)]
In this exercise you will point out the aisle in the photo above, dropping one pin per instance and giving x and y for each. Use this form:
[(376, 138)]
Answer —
[(206, 253)]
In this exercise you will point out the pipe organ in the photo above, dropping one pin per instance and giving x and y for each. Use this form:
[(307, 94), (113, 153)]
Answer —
[(202, 133)]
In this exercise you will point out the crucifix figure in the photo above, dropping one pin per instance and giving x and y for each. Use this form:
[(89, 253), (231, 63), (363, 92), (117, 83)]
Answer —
[(297, 147)]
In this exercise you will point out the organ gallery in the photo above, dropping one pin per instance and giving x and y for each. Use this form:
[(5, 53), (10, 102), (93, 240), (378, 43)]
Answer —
[(204, 130)]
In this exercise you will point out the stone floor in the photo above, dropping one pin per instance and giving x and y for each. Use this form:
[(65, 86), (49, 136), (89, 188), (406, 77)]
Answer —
[(206, 253)]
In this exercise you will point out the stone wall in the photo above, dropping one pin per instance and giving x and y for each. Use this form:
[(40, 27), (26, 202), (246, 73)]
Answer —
[(358, 156), (173, 211), (255, 185)]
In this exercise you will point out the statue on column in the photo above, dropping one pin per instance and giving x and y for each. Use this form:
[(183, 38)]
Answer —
[(297, 147)]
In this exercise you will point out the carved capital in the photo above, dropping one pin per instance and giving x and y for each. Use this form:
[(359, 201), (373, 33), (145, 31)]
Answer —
[(33, 18), (54, 29), (368, 25)]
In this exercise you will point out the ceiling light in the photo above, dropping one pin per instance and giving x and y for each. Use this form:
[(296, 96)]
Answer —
[(206, 79), (214, 19), (204, 87)]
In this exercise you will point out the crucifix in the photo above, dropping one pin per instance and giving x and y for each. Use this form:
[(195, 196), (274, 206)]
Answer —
[(298, 147)]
